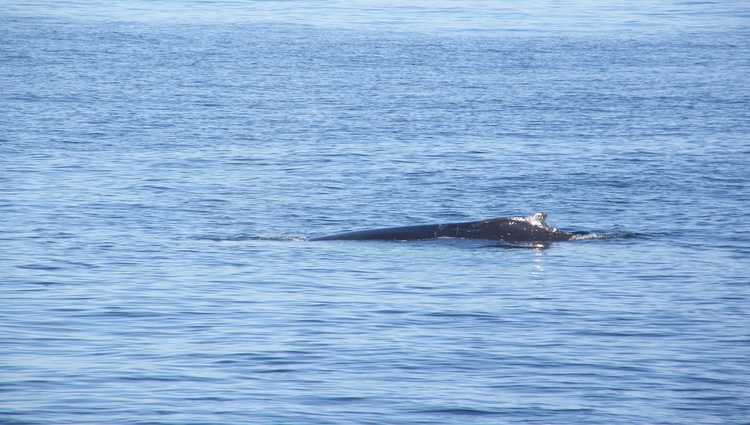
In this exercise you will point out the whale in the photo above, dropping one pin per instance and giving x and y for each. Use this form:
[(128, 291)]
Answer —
[(533, 228)]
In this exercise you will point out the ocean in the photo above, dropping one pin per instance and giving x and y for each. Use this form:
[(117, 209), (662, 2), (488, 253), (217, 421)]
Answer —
[(164, 163)]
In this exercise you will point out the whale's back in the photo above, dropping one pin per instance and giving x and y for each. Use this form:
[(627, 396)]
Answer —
[(514, 229)]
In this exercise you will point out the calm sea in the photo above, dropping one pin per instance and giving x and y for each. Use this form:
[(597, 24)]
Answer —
[(163, 162)]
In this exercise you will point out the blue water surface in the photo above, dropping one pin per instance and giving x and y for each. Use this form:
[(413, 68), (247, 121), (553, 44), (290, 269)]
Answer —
[(163, 162)]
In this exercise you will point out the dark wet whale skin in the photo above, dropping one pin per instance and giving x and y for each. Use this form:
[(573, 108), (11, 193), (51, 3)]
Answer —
[(505, 229)]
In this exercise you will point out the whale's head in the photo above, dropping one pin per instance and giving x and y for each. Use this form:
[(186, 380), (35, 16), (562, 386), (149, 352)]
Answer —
[(538, 219), (530, 228)]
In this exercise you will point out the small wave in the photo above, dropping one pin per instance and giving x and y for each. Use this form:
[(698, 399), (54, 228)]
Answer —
[(241, 238), (38, 267), (596, 235), (589, 236), (462, 411)]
